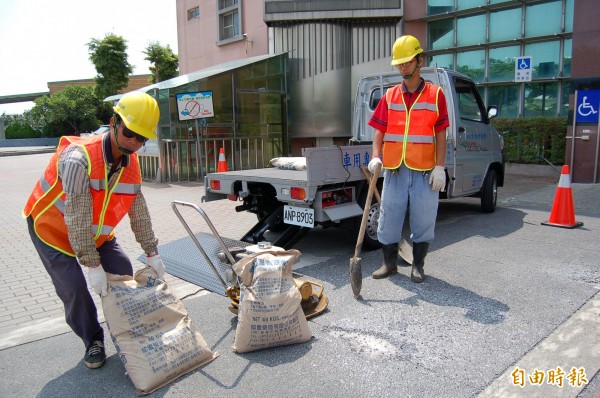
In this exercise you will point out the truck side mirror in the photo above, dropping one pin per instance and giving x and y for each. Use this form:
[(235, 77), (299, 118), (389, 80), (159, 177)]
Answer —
[(492, 111)]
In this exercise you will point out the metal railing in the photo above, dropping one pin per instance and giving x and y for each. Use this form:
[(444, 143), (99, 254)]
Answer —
[(191, 159), (150, 166)]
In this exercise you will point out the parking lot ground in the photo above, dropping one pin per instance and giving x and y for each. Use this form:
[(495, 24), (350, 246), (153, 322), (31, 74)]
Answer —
[(503, 293)]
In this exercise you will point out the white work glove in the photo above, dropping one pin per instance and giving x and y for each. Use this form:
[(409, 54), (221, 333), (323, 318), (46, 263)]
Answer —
[(437, 178), (373, 164), (156, 263), (97, 278)]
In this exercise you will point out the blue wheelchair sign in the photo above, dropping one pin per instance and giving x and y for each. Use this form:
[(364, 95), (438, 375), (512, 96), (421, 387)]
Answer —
[(588, 102), (524, 63), (523, 70)]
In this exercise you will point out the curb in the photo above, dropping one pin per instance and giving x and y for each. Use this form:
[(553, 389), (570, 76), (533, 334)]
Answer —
[(20, 151)]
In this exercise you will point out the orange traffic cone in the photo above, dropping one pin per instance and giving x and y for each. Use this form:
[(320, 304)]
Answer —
[(563, 211), (222, 165)]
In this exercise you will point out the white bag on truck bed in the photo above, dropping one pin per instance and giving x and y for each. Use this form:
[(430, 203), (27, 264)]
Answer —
[(270, 313), (151, 330)]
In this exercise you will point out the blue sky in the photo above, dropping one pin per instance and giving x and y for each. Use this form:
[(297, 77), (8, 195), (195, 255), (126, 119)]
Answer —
[(46, 40)]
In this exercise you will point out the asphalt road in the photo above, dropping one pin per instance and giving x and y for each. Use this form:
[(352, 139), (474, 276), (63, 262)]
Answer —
[(503, 293)]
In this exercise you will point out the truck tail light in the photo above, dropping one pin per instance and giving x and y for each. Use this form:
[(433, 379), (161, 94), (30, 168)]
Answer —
[(298, 193), (336, 197), (215, 185)]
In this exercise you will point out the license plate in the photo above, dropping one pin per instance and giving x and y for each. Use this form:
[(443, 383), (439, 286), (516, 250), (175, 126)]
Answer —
[(302, 216)]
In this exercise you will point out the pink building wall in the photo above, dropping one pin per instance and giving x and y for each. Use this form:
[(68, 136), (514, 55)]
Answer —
[(198, 37)]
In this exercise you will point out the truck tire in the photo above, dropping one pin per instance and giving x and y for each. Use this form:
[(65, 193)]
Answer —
[(489, 192), (370, 241)]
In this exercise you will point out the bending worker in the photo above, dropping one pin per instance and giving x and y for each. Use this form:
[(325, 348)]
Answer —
[(410, 140), (89, 185)]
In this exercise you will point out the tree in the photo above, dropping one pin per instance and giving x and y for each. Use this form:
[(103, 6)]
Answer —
[(109, 56), (70, 111), (165, 63)]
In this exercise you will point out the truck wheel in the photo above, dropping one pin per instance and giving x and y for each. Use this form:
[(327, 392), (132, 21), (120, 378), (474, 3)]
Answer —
[(370, 241), (489, 192)]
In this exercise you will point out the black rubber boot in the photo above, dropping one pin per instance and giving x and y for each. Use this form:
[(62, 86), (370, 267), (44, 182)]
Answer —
[(420, 250), (390, 258)]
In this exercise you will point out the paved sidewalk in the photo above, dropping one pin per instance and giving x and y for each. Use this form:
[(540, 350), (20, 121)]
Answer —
[(29, 307)]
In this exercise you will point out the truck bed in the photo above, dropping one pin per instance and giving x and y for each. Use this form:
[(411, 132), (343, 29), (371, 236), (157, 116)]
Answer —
[(324, 166), (267, 174)]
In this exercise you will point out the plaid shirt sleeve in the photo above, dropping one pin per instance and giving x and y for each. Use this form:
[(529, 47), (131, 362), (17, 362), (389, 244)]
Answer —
[(141, 224), (72, 170)]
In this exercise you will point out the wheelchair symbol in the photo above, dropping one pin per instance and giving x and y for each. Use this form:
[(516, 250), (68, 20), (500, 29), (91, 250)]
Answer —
[(524, 64), (585, 108)]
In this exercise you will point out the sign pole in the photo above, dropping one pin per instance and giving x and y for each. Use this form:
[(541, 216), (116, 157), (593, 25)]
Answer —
[(597, 148), (198, 162), (573, 133)]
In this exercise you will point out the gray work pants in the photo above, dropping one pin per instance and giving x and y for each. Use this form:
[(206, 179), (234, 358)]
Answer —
[(70, 284)]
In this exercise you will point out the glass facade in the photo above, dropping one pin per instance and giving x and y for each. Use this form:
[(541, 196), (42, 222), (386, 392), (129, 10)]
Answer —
[(483, 38), (505, 25), (472, 63), (471, 30), (264, 80)]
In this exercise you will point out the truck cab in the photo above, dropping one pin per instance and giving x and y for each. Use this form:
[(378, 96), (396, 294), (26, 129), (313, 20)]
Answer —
[(474, 160)]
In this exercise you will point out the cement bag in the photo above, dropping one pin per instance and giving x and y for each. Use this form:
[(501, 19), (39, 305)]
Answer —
[(289, 163), (269, 313), (151, 330)]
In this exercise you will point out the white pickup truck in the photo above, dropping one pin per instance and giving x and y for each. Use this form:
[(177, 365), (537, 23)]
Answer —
[(331, 189)]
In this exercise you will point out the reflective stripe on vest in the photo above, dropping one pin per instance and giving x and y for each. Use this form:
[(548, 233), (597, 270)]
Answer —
[(410, 137), (121, 187), (402, 107), (46, 203)]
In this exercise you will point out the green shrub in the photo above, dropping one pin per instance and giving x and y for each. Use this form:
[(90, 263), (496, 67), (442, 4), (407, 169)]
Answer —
[(536, 140), (21, 130)]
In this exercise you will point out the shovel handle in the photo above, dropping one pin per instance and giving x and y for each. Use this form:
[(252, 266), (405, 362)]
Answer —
[(367, 176), (363, 223)]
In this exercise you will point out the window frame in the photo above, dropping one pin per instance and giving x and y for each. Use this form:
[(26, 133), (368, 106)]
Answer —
[(193, 13), (229, 9), (471, 95)]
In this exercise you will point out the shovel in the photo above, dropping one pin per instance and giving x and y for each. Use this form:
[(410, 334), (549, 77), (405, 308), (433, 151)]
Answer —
[(404, 248), (355, 262)]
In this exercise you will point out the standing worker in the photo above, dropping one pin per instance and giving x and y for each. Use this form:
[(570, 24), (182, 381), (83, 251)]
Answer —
[(89, 185), (410, 141)]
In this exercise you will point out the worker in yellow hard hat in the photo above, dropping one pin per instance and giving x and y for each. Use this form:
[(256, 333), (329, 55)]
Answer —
[(88, 186), (138, 114), (405, 49), (410, 125)]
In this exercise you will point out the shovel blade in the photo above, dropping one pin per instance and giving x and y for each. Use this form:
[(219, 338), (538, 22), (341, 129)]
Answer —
[(405, 251), (355, 276)]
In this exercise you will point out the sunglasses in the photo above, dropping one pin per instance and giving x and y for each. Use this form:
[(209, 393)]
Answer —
[(406, 64), (130, 134)]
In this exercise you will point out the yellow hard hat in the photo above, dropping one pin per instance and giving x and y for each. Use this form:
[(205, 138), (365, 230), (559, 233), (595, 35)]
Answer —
[(139, 112), (404, 49)]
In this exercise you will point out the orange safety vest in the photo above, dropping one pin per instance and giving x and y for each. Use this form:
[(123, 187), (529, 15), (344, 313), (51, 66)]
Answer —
[(47, 201), (410, 136)]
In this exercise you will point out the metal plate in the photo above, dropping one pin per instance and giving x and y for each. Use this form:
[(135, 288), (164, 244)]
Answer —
[(343, 211), (183, 259)]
